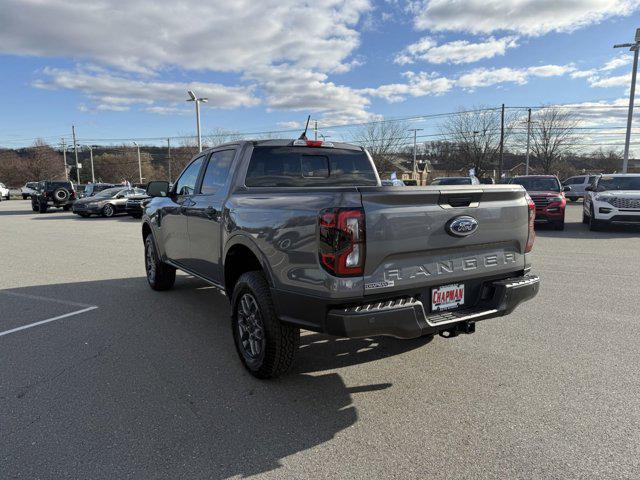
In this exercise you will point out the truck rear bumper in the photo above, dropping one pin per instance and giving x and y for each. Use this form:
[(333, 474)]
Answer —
[(406, 317)]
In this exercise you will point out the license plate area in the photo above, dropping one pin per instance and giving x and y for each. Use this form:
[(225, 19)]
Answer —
[(447, 297)]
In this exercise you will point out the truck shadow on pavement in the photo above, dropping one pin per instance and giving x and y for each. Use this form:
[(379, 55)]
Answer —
[(149, 385)]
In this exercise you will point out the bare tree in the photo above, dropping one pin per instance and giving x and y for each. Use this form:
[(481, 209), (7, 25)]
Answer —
[(220, 136), (476, 133), (552, 134), (382, 139)]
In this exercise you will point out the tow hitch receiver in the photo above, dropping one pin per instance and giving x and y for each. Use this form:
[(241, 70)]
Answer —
[(454, 331)]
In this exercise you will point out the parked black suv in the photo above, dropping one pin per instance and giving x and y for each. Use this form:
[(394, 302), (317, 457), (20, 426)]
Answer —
[(53, 194)]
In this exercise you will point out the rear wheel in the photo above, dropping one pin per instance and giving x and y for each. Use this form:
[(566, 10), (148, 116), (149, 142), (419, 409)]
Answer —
[(108, 210), (159, 275), (266, 346)]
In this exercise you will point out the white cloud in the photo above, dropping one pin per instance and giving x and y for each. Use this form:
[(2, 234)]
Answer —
[(418, 85), (608, 82), (456, 52), (617, 62), (596, 79), (290, 124), (524, 17), (550, 70), (256, 40), (115, 92)]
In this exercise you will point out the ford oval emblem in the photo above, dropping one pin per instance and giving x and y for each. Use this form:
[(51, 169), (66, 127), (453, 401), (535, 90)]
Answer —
[(462, 226)]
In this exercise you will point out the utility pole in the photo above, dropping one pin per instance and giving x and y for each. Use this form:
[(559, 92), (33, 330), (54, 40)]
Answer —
[(75, 151), (139, 162), (169, 156), (501, 166), (634, 47), (526, 165), (415, 150), (93, 175), (64, 158)]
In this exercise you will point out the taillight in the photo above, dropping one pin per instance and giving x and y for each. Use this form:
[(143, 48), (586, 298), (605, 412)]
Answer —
[(532, 219), (342, 241)]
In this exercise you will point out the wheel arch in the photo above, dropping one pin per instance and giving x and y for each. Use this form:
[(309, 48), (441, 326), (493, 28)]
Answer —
[(241, 255)]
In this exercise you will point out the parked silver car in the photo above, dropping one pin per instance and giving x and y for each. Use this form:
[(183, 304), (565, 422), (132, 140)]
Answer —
[(578, 185)]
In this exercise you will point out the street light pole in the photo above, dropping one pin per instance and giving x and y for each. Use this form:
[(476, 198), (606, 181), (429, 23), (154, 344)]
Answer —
[(415, 148), (526, 165), (139, 162), (634, 47), (75, 151), (197, 101)]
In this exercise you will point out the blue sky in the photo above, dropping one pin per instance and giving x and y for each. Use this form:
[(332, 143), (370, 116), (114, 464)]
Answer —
[(120, 71)]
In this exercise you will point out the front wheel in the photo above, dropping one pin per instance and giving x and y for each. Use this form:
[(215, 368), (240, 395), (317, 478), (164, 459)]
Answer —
[(559, 225), (108, 211), (43, 208), (266, 346), (594, 224), (159, 275)]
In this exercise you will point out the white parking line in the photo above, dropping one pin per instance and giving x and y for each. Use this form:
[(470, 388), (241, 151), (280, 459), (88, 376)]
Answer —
[(87, 308), (41, 322)]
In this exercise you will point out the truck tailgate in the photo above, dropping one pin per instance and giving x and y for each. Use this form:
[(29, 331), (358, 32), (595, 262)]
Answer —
[(409, 244)]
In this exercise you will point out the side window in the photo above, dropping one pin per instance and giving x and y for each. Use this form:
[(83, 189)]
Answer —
[(591, 179), (217, 171), (572, 181), (186, 184)]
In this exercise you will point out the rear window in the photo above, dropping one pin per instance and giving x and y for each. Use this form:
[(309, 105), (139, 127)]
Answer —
[(306, 167), (452, 181), (538, 184), (66, 185)]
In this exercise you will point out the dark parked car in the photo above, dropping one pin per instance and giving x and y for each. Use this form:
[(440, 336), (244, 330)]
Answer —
[(135, 205), (53, 194), (93, 188), (106, 203)]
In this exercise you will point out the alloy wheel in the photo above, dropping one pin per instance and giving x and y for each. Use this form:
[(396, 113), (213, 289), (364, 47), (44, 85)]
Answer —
[(250, 327)]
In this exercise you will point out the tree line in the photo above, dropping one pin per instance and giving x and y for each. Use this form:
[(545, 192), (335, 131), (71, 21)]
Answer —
[(468, 139)]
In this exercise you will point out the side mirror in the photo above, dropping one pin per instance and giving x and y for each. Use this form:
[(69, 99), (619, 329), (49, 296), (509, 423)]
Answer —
[(120, 195), (158, 189), (566, 188)]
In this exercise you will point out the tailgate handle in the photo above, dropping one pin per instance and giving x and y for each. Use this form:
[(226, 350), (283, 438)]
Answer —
[(456, 200)]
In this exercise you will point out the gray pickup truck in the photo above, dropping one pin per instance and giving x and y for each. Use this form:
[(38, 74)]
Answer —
[(301, 234)]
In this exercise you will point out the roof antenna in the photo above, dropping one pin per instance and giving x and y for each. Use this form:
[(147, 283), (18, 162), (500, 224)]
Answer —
[(304, 134)]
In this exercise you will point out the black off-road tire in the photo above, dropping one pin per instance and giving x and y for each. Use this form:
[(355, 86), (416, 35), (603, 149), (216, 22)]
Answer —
[(34, 206), (281, 341), (159, 275)]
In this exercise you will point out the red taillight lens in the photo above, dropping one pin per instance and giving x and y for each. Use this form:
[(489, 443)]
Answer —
[(342, 241), (532, 219)]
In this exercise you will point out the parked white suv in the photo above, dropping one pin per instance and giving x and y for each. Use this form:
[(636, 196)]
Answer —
[(578, 185), (28, 189), (4, 192), (612, 199)]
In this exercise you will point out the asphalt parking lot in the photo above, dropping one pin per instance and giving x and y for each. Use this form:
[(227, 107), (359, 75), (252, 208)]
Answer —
[(124, 382)]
